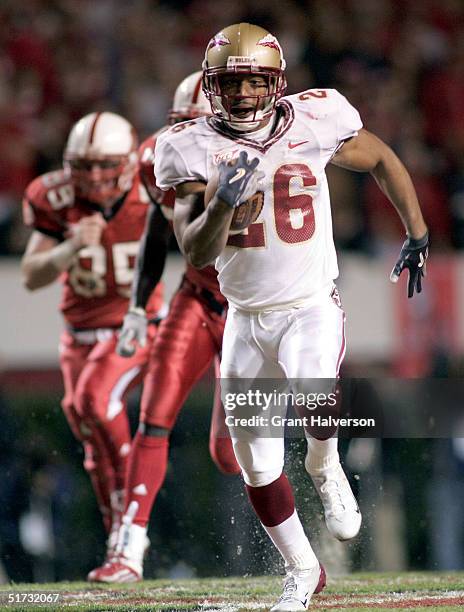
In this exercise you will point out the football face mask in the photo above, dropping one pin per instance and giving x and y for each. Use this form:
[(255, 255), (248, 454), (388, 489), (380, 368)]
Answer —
[(101, 156), (244, 97), (243, 75), (101, 181)]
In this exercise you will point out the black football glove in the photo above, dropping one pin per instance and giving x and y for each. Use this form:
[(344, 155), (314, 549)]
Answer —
[(413, 256), (238, 181)]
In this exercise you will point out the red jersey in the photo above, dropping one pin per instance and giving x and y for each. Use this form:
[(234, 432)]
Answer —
[(206, 278), (96, 288)]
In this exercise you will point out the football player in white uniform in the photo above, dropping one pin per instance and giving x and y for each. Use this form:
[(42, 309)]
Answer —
[(284, 321)]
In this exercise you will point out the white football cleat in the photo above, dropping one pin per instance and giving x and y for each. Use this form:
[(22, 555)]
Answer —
[(111, 544), (125, 563), (299, 585), (342, 515), (117, 570)]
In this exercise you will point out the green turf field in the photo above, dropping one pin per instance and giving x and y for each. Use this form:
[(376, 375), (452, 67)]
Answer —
[(418, 591)]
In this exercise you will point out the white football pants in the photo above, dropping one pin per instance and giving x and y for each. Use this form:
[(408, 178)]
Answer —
[(300, 343)]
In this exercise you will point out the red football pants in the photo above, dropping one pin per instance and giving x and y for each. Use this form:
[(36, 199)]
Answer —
[(188, 341), (96, 381)]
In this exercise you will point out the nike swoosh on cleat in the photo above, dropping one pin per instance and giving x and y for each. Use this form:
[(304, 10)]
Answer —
[(237, 176), (292, 145)]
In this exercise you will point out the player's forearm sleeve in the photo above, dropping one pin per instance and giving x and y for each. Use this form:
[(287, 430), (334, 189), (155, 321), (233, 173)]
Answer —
[(151, 258)]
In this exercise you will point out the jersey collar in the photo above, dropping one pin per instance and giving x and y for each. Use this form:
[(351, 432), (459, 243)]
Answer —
[(284, 119), (108, 213)]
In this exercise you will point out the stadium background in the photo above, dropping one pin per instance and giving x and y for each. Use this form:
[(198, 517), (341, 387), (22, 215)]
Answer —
[(401, 63)]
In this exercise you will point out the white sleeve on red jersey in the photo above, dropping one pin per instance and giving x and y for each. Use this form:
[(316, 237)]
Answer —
[(44, 201)]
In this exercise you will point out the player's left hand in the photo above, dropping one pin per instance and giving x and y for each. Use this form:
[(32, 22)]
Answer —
[(133, 332), (413, 256)]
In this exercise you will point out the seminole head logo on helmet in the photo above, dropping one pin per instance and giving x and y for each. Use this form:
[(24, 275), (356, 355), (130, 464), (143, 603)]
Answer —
[(243, 51)]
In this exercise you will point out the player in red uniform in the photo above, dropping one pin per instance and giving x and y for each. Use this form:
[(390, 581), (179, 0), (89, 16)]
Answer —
[(189, 339), (87, 221)]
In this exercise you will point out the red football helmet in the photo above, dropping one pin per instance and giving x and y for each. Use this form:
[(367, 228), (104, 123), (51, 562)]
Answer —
[(243, 49), (101, 155), (189, 100)]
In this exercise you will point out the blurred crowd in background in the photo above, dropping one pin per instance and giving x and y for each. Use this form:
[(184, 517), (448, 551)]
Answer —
[(400, 62)]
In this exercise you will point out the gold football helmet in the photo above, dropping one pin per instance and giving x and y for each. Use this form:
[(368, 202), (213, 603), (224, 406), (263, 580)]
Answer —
[(243, 49)]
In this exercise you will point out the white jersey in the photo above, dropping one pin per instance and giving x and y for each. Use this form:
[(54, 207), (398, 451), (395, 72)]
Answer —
[(287, 255)]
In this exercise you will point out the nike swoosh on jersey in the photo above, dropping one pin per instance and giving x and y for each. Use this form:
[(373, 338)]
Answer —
[(292, 145), (237, 176)]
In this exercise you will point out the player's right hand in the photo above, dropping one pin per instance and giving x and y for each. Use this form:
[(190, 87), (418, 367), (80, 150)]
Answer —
[(238, 181), (133, 332), (87, 231)]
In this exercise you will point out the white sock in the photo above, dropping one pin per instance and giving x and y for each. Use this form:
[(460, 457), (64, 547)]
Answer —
[(290, 540), (322, 454), (132, 537)]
